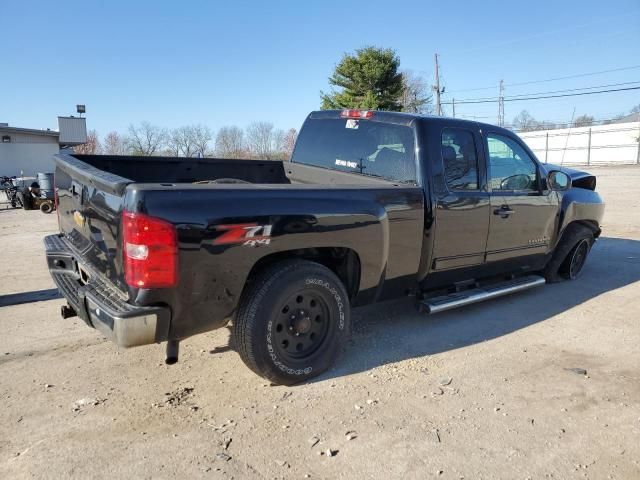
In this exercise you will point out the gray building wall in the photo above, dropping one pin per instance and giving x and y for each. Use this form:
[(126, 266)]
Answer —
[(27, 154)]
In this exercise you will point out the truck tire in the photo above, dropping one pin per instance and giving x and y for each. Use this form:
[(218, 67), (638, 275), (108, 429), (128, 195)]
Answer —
[(570, 254), (292, 321)]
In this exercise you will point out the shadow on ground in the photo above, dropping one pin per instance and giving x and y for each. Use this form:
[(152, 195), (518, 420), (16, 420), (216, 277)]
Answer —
[(394, 331), (29, 297)]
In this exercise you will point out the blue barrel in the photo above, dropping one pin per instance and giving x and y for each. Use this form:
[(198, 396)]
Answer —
[(45, 180)]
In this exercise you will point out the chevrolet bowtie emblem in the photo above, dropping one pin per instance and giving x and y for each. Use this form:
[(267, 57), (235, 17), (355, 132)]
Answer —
[(79, 218)]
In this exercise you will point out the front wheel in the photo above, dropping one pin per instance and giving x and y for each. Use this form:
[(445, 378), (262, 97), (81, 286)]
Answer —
[(572, 266), (292, 321), (570, 255)]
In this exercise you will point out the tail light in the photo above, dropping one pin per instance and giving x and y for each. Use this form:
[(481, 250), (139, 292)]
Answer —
[(356, 113), (150, 251)]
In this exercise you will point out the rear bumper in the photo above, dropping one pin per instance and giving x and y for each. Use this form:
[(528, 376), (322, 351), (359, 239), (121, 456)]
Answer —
[(100, 304)]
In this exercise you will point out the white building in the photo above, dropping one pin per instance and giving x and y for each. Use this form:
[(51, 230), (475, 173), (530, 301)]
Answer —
[(27, 151)]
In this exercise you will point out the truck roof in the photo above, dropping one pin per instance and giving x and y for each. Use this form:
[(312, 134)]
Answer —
[(404, 118)]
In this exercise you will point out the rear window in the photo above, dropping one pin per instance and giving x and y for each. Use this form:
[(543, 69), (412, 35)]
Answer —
[(358, 146)]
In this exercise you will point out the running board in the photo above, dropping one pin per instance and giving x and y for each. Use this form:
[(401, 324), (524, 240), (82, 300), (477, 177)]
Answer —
[(479, 294)]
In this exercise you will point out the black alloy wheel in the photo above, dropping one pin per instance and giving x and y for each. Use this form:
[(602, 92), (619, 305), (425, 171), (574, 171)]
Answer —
[(302, 325), (578, 258)]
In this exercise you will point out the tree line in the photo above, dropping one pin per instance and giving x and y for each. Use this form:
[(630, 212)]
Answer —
[(370, 78), (260, 140)]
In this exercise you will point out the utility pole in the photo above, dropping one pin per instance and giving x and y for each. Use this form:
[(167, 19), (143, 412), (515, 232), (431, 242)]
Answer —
[(453, 105), (501, 104), (436, 88)]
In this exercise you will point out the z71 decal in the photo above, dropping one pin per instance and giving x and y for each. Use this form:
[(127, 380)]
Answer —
[(248, 234)]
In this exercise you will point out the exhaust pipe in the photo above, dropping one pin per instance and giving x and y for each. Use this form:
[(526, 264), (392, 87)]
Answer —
[(173, 349), (67, 312)]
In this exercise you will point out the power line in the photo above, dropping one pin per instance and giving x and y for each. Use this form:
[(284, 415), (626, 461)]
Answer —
[(579, 75), (552, 91), (541, 97)]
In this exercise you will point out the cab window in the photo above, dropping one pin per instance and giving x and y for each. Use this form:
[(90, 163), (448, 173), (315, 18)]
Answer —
[(511, 168), (459, 159), (367, 147)]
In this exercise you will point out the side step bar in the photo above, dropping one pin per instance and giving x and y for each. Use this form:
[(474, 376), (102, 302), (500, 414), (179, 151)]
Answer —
[(475, 295)]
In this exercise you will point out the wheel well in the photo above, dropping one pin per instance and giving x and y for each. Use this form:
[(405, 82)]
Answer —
[(342, 261), (590, 224), (593, 226)]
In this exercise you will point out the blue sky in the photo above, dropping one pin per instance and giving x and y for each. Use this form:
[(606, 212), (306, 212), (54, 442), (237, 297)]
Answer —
[(222, 63)]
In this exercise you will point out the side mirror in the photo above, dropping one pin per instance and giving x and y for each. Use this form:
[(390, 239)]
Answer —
[(558, 181)]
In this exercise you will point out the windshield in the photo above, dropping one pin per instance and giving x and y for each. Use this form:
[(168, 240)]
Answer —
[(358, 146)]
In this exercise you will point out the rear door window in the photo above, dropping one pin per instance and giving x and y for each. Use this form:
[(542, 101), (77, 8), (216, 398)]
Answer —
[(358, 146), (460, 159)]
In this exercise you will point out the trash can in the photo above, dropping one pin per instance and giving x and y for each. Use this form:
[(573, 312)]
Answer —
[(45, 180)]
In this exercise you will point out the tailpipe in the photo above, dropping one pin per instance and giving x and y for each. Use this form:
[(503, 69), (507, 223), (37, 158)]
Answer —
[(173, 349)]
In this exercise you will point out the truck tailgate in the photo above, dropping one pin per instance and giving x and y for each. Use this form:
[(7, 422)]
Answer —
[(90, 204)]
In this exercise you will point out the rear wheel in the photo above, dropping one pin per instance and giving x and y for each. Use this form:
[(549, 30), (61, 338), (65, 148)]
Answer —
[(292, 321), (570, 255)]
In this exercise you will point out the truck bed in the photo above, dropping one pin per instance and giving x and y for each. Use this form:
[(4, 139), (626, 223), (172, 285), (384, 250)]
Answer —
[(114, 173), (305, 208)]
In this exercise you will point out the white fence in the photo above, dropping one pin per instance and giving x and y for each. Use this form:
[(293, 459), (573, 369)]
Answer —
[(617, 143)]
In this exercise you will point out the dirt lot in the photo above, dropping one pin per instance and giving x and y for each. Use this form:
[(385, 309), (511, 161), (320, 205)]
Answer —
[(488, 391)]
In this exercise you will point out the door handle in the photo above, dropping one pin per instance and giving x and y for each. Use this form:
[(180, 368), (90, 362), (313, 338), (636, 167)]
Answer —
[(503, 211)]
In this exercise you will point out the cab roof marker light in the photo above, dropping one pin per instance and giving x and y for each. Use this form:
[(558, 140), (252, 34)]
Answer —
[(352, 113)]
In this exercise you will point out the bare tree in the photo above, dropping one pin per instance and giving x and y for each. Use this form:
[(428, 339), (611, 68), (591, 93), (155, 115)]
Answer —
[(415, 96), (259, 139), (277, 153), (230, 143), (174, 142), (583, 121), (179, 142), (289, 142), (113, 144), (264, 141), (146, 139), (92, 145), (525, 122), (202, 137)]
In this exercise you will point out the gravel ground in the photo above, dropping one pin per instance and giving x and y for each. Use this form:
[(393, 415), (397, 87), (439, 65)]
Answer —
[(542, 384)]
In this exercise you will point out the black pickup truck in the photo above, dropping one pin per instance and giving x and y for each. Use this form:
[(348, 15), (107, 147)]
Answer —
[(372, 206)]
